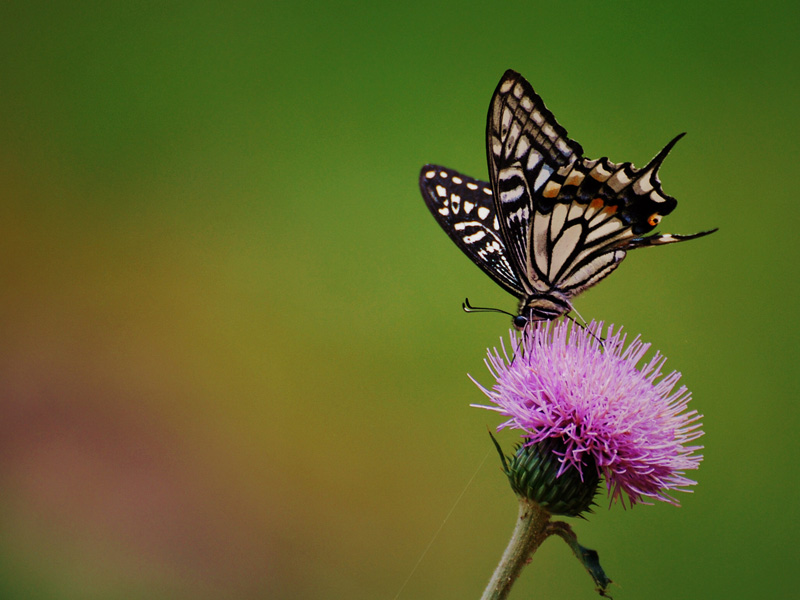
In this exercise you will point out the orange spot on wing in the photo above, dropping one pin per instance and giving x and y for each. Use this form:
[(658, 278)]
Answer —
[(596, 204), (551, 190), (574, 178)]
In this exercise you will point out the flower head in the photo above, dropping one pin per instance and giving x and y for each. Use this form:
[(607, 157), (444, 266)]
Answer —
[(627, 424)]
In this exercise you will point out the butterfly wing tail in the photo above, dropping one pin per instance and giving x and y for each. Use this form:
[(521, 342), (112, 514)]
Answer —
[(661, 239)]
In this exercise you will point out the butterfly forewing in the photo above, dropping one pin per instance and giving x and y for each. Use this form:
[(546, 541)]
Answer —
[(526, 149), (464, 207)]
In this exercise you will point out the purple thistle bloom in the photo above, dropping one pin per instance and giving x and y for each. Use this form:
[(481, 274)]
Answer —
[(562, 383)]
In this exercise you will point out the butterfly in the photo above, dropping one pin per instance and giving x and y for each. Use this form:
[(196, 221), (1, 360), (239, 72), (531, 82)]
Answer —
[(551, 223)]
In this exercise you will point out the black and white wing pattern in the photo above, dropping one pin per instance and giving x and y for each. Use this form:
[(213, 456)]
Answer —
[(526, 148), (464, 207), (554, 223)]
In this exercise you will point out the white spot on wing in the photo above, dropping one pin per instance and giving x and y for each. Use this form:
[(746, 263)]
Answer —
[(533, 159), (510, 173), (441, 191), (507, 117), (619, 180), (444, 211), (543, 176), (600, 172), (656, 197), (512, 136), (458, 180), (468, 206), (643, 184), (520, 215), (472, 186), (512, 195), (483, 212), (497, 147), (430, 174), (522, 146), (527, 104), (475, 237)]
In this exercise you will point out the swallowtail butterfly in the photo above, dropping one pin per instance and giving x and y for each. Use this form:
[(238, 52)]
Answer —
[(551, 223)]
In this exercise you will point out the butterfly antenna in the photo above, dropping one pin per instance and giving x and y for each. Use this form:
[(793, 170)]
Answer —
[(468, 308)]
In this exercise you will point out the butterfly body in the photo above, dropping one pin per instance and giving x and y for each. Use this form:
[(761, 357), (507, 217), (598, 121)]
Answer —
[(550, 223)]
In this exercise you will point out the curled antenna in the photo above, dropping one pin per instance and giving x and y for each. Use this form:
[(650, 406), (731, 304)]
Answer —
[(468, 308)]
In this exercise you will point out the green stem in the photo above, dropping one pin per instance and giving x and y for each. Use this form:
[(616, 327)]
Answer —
[(587, 556), (529, 533)]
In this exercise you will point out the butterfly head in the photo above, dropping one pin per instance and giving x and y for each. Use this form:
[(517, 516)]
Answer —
[(540, 308)]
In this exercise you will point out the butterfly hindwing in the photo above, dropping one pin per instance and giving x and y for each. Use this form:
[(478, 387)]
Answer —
[(464, 207), (600, 209)]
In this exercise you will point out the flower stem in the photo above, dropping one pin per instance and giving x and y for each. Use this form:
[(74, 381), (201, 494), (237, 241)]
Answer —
[(529, 532)]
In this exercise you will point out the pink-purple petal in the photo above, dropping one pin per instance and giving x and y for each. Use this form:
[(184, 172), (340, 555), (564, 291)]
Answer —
[(562, 383)]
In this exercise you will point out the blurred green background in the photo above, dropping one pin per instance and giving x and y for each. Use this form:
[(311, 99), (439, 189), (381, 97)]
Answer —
[(233, 359)]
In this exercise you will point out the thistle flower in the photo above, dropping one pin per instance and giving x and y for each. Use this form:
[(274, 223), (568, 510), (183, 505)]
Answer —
[(608, 418)]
